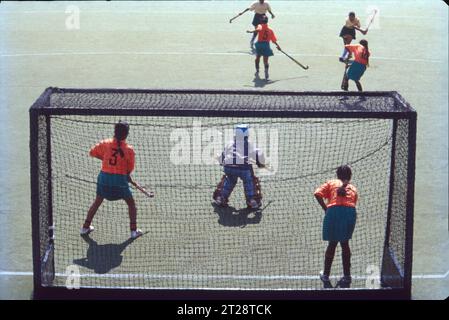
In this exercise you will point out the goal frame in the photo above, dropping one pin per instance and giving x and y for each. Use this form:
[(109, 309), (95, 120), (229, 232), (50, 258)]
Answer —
[(41, 112)]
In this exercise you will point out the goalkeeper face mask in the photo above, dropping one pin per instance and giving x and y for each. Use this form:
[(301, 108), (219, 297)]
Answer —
[(242, 130)]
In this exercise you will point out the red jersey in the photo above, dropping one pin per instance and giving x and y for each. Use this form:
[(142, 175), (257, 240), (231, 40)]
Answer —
[(112, 160), (329, 191), (361, 54), (265, 34)]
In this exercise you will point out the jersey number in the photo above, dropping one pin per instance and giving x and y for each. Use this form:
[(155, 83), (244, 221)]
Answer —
[(113, 160), (265, 35)]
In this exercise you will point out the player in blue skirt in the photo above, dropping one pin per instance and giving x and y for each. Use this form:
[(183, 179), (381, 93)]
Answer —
[(263, 49), (117, 162), (358, 67), (339, 221)]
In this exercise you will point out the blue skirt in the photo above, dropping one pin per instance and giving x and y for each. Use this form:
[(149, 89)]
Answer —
[(339, 223), (356, 71), (263, 49), (113, 186)]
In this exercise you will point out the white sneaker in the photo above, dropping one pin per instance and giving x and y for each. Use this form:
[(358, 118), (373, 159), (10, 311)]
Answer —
[(137, 233), (85, 231)]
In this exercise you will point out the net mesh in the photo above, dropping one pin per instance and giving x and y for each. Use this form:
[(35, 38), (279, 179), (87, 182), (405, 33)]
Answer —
[(217, 101), (191, 244)]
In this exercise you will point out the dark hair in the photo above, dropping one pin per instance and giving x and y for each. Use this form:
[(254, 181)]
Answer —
[(364, 43), (352, 13), (344, 173), (121, 130), (264, 19)]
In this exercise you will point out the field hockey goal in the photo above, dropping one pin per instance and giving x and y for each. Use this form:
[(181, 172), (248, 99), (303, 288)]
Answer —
[(192, 248)]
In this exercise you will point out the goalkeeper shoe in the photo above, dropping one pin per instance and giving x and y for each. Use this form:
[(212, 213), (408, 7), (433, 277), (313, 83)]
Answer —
[(219, 201), (136, 233), (254, 204), (86, 231)]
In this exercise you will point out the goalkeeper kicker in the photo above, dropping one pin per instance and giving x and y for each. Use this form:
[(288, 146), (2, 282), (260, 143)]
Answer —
[(237, 159)]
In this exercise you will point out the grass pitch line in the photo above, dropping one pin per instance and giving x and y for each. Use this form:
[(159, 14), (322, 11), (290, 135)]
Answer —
[(205, 277), (192, 53)]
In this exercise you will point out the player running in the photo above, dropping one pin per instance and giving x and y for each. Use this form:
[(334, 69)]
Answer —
[(348, 33), (358, 66), (339, 221), (266, 34), (237, 159), (112, 183), (260, 9)]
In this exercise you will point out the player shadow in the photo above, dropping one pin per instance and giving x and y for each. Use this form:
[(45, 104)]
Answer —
[(260, 82), (251, 52), (102, 258), (348, 103), (232, 217)]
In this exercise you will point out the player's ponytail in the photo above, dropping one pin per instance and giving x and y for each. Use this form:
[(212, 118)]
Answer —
[(341, 192), (344, 173), (364, 43), (121, 130)]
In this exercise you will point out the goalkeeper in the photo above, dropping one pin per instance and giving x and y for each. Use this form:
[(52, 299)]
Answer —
[(112, 183), (237, 159)]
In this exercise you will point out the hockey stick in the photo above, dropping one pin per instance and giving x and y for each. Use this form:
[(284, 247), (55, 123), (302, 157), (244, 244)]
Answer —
[(295, 61), (232, 19), (345, 81), (371, 21), (149, 194), (251, 161)]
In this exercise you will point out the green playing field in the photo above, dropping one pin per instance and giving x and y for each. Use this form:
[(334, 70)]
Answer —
[(192, 45)]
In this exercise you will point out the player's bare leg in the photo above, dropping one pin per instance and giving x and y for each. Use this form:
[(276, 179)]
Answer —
[(257, 63), (132, 211), (253, 39), (359, 86), (345, 54), (265, 63), (87, 228)]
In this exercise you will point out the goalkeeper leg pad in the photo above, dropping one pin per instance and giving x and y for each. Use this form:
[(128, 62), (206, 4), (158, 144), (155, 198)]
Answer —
[(218, 190), (253, 191)]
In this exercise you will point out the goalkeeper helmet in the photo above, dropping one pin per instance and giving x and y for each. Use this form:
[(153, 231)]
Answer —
[(242, 130), (121, 130)]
